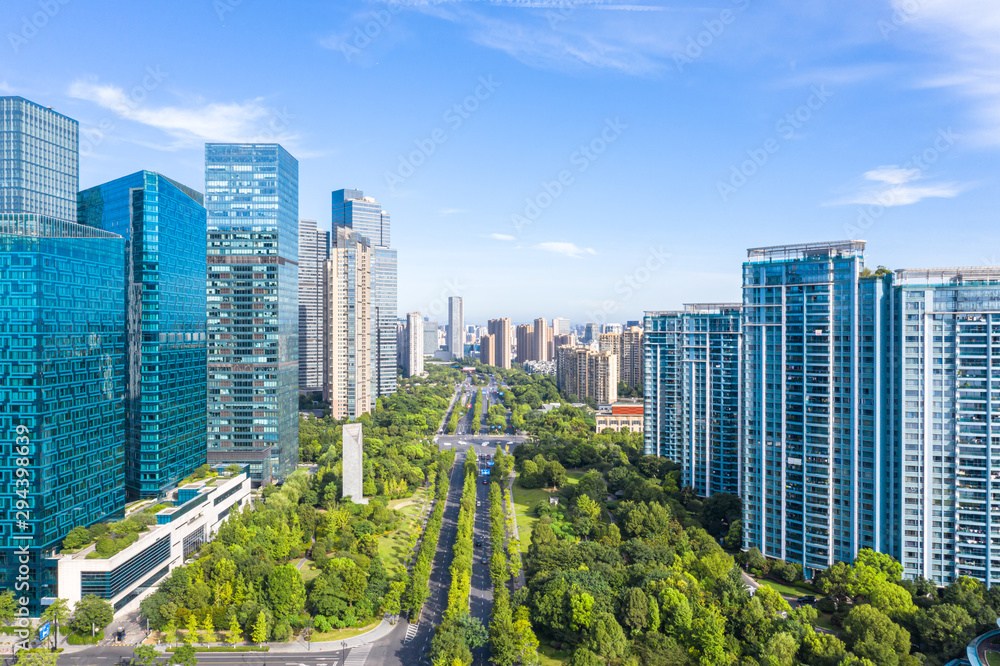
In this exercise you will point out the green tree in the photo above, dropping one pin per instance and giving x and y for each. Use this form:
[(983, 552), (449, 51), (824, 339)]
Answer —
[(91, 610), (635, 610), (285, 590), (145, 655), (581, 610), (823, 650), (8, 607), (208, 628), (77, 537), (780, 650), (37, 657), (607, 638), (869, 633), (391, 603), (525, 641), (191, 635), (259, 633), (946, 625), (235, 634), (584, 657), (184, 656)]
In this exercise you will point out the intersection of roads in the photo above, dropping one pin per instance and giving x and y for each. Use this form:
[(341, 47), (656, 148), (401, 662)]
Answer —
[(406, 644)]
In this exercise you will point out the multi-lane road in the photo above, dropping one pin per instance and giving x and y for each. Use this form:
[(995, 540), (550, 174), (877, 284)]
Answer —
[(406, 645)]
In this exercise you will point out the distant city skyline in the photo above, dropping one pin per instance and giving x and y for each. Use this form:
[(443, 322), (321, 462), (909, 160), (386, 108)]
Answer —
[(867, 121)]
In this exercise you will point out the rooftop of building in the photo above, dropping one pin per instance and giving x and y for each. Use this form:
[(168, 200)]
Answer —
[(828, 249), (699, 308), (40, 226), (929, 277), (18, 98)]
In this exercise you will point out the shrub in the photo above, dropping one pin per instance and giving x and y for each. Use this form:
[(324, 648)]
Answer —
[(826, 605), (85, 639)]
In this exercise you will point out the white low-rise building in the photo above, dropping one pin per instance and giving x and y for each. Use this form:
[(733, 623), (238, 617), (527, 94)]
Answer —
[(131, 574)]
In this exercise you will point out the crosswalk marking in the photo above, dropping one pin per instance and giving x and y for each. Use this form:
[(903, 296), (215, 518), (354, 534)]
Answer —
[(411, 632), (357, 656)]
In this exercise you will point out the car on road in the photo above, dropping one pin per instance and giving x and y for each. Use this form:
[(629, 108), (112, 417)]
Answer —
[(484, 482), (478, 543), (478, 502), (485, 561), (807, 599)]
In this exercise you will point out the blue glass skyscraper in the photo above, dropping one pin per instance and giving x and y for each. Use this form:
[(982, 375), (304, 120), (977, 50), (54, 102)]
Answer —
[(252, 197), (812, 431), (364, 215), (62, 351), (163, 223), (62, 385), (691, 397)]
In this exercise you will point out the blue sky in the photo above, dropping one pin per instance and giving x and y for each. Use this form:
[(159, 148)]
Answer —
[(583, 159)]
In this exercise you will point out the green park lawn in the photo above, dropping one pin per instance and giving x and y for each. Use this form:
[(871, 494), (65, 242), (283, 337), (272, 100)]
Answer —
[(784, 590), (341, 634), (394, 546), (525, 500), (573, 478), (993, 658), (549, 656)]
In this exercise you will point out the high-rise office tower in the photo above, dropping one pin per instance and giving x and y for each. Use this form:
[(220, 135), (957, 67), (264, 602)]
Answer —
[(62, 351), (62, 293), (542, 341), (945, 343), (691, 397), (163, 224), (590, 332), (414, 344), (314, 250), (348, 295), (488, 350), (252, 197), (612, 328), (560, 326), (500, 330), (812, 443), (524, 339), (631, 362), (456, 326), (353, 210), (40, 163), (430, 337)]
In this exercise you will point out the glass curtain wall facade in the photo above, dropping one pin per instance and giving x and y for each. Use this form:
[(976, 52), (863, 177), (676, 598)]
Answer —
[(809, 469), (693, 394), (251, 193), (39, 160), (62, 389), (945, 504), (163, 224), (351, 209), (314, 250), (456, 327)]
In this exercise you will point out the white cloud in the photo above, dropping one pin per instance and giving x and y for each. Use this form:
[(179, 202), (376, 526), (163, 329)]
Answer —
[(895, 188), (967, 32), (453, 211), (568, 249), (502, 237), (200, 121)]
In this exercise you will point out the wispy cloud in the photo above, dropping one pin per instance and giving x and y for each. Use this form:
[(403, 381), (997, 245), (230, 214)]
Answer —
[(895, 187), (633, 38), (565, 248), (453, 211), (199, 121), (967, 33), (501, 237)]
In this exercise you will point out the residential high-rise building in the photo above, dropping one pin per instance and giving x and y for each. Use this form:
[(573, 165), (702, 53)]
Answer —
[(488, 350), (631, 363), (590, 332), (430, 337), (560, 326), (62, 386), (542, 340), (414, 344), (612, 328), (163, 224), (252, 197), (945, 337), (352, 209), (811, 372), (314, 250), (691, 393), (456, 326), (347, 339), (610, 342), (40, 161), (500, 330), (587, 373), (524, 342)]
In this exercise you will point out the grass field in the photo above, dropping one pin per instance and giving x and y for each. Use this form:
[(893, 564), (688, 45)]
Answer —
[(393, 546), (784, 590), (524, 503), (341, 634), (572, 478), (549, 656), (993, 658), (823, 622), (309, 571)]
